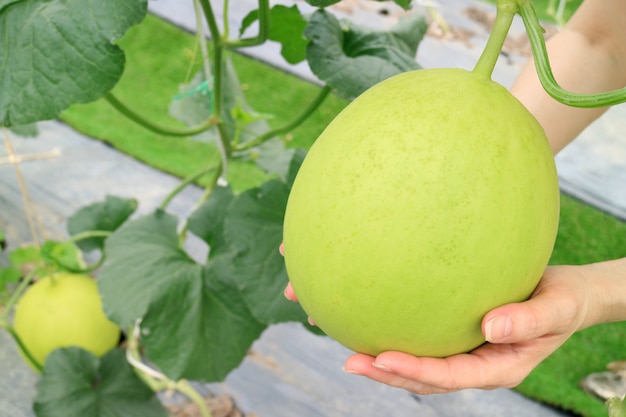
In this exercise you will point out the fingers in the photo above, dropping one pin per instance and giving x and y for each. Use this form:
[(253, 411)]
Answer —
[(554, 309), (488, 367), (289, 293)]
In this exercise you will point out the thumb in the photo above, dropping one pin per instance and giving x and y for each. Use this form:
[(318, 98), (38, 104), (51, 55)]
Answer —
[(520, 322)]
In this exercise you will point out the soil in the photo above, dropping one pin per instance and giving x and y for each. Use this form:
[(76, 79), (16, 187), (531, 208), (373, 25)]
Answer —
[(220, 406)]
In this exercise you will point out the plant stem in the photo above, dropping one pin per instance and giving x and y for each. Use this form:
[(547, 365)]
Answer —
[(184, 183), (17, 294), (225, 25), (22, 346), (88, 234), (219, 43), (155, 379), (264, 29), (184, 387), (210, 19), (4, 319), (296, 121), (182, 234), (156, 127), (544, 71), (200, 36), (505, 12)]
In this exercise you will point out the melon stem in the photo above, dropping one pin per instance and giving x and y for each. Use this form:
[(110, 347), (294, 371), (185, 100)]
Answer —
[(505, 12)]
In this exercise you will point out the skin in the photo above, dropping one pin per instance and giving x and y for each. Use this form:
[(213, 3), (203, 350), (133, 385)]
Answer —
[(587, 56)]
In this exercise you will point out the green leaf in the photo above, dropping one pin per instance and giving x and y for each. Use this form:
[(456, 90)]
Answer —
[(25, 255), (3, 242), (324, 3), (274, 157), (294, 166), (60, 52), (63, 255), (616, 407), (75, 383), (143, 258), (207, 221), (351, 59), (286, 27), (210, 335), (405, 4), (8, 275), (195, 324), (254, 228), (249, 227), (26, 131), (107, 215)]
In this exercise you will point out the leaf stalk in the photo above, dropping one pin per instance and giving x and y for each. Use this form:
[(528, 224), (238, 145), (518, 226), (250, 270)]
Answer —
[(188, 180), (22, 346), (155, 379), (264, 29), (156, 127), (296, 121)]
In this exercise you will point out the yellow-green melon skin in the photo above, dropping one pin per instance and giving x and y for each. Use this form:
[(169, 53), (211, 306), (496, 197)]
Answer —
[(64, 310), (430, 200)]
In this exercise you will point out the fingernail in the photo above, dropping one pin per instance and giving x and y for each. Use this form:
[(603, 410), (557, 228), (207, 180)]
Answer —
[(310, 320), (350, 371), (497, 328), (381, 367), (287, 295)]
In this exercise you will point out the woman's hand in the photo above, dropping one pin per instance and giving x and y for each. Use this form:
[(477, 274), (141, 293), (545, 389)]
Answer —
[(519, 337)]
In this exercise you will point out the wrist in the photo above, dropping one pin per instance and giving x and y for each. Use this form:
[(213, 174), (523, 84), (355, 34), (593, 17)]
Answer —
[(607, 287)]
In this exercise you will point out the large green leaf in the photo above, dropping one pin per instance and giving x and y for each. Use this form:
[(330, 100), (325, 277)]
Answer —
[(351, 58), (8, 275), (75, 383), (105, 215), (59, 52), (249, 228), (254, 229), (195, 324), (324, 3), (144, 259), (286, 27), (200, 328), (62, 255), (207, 221)]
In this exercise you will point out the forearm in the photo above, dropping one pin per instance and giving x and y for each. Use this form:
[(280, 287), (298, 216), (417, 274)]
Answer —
[(586, 58)]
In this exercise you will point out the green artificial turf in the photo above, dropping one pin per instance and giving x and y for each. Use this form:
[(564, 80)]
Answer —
[(159, 60)]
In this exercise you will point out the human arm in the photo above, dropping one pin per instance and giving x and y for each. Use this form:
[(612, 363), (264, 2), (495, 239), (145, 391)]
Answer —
[(587, 56)]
